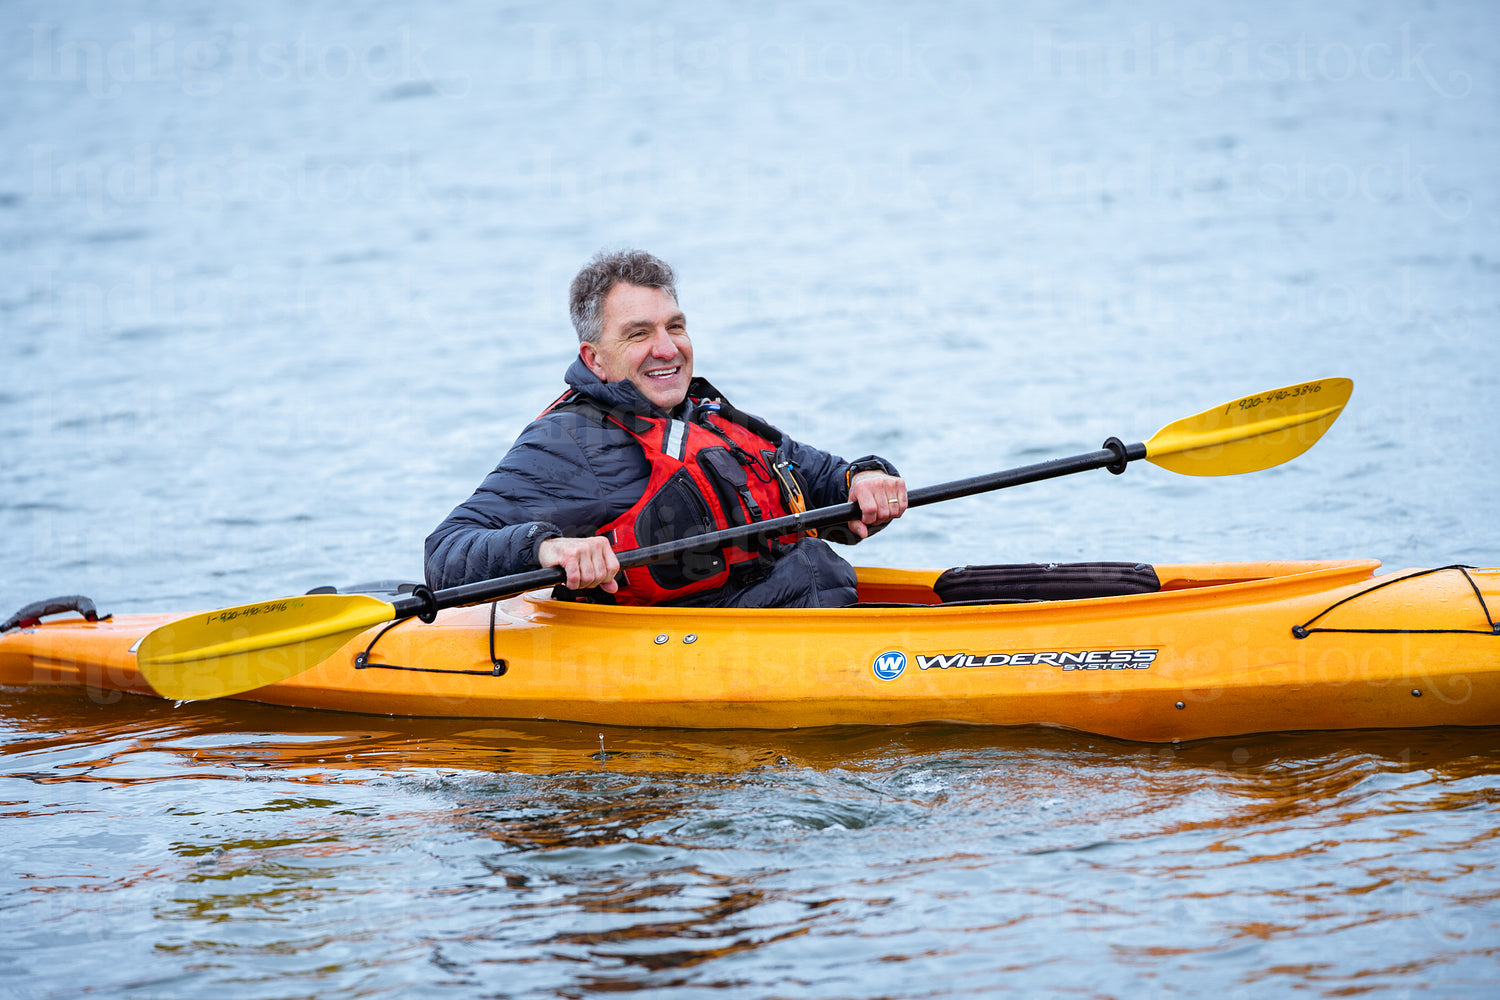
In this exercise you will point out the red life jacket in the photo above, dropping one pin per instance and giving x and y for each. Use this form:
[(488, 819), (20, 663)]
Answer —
[(717, 470)]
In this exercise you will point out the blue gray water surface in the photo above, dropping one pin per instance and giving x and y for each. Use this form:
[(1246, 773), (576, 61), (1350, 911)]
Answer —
[(279, 285)]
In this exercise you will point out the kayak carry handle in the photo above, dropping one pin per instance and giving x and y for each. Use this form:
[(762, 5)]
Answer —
[(32, 614)]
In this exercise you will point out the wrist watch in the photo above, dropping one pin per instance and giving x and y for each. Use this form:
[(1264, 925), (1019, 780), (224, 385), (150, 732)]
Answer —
[(863, 465)]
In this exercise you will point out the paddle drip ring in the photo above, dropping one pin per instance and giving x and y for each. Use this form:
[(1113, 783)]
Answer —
[(1117, 446), (429, 610)]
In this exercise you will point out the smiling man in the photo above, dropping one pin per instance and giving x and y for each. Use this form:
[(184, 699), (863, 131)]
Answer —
[(638, 452)]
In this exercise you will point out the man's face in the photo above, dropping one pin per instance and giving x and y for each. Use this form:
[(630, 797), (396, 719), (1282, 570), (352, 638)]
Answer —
[(645, 341)]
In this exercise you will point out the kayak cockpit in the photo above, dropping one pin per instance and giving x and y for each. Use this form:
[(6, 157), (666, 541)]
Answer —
[(922, 587), (1028, 585)]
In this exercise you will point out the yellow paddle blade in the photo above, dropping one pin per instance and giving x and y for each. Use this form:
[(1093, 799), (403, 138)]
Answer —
[(1252, 433), (219, 653)]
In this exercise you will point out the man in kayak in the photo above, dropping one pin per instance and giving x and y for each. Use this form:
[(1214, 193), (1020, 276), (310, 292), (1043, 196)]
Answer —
[(639, 452)]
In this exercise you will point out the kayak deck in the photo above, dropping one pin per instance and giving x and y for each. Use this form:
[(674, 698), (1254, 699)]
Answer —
[(1212, 653)]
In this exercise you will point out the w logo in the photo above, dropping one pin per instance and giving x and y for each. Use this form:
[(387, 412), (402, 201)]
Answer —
[(888, 665)]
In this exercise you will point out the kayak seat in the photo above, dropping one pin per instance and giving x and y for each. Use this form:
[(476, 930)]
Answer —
[(1012, 582)]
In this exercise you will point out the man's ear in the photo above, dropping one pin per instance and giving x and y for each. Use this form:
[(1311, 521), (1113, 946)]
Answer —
[(590, 355)]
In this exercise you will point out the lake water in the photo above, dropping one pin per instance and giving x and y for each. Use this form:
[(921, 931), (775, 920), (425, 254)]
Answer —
[(279, 285)]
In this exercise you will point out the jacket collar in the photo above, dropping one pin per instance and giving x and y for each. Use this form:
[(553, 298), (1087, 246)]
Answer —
[(624, 397)]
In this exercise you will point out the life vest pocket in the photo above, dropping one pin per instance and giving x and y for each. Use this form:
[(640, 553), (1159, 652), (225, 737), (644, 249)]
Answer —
[(727, 475), (677, 512)]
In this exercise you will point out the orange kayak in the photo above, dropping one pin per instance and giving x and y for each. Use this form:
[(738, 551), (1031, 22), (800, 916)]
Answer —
[(1220, 649)]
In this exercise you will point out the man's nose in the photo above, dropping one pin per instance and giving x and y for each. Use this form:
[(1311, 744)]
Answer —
[(662, 344)]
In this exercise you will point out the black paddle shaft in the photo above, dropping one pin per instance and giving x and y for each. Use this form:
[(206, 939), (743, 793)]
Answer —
[(426, 603)]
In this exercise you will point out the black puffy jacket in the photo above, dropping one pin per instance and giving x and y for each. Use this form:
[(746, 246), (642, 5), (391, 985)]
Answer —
[(568, 474)]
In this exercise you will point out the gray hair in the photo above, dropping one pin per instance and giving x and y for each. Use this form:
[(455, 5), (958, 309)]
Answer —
[(606, 270)]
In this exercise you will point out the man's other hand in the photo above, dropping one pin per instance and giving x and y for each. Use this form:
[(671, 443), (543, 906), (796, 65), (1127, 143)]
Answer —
[(589, 562)]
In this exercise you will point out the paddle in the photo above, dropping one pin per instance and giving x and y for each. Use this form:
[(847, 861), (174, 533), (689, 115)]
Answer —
[(239, 649)]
